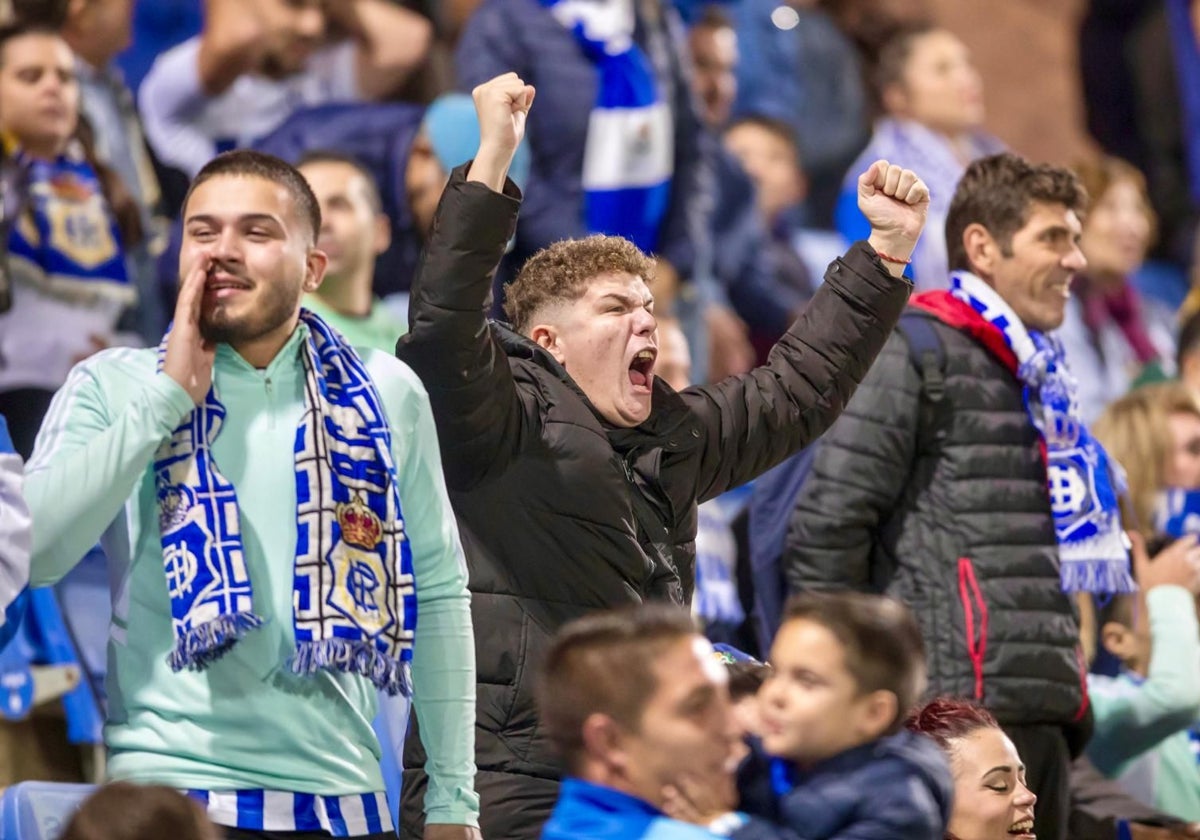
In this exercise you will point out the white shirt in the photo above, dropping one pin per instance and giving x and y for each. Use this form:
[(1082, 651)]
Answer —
[(186, 127)]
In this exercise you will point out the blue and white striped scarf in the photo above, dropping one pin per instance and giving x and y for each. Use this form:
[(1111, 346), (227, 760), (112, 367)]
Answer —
[(629, 155), (1083, 483), (354, 598)]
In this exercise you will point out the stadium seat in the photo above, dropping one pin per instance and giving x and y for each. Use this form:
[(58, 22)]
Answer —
[(39, 810)]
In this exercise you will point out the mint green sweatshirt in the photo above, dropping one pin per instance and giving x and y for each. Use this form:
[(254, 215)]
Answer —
[(247, 721), (1141, 724)]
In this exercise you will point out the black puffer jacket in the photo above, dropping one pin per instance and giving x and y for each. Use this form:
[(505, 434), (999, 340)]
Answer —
[(945, 507), (544, 488)]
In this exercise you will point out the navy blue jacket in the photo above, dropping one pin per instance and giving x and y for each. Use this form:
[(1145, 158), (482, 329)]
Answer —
[(524, 37), (896, 788)]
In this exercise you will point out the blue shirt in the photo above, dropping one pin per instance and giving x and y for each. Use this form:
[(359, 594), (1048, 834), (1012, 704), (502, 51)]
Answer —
[(587, 811)]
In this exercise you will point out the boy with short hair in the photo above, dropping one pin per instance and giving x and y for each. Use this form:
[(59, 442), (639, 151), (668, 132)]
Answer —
[(834, 760), (1146, 727)]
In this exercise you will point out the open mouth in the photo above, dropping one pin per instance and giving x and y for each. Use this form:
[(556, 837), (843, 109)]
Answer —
[(641, 369), (1023, 828)]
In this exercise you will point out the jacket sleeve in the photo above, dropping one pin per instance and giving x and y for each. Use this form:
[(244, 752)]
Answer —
[(171, 101), (752, 422), (16, 533), (1128, 724), (444, 651), (87, 463), (858, 474), (479, 412)]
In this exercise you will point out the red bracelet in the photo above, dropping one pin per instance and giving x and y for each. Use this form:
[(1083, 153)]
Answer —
[(891, 259)]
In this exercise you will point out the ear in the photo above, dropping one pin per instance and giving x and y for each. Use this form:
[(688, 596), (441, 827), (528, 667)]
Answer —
[(603, 742), (546, 336), (895, 100), (981, 249), (879, 712), (314, 269), (1190, 371), (383, 233), (1117, 640)]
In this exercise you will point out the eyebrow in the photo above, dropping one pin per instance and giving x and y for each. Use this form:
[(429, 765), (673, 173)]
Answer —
[(249, 218), (697, 696), (1003, 768), (627, 299)]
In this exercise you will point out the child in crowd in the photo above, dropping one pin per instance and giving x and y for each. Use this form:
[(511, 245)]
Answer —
[(746, 676), (834, 759), (1146, 731), (124, 811)]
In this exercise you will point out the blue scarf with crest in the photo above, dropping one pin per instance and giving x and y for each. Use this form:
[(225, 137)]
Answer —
[(1083, 482), (629, 154), (354, 595)]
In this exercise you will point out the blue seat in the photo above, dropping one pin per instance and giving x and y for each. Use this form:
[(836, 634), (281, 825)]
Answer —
[(39, 810)]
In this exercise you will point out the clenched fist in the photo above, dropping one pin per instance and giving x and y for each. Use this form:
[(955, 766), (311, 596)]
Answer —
[(895, 202)]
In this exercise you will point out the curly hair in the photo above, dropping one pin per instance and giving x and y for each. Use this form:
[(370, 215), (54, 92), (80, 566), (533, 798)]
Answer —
[(946, 719), (562, 272)]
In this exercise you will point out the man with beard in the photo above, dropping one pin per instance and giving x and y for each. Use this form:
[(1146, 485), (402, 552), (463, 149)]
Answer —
[(279, 516), (575, 472), (255, 63)]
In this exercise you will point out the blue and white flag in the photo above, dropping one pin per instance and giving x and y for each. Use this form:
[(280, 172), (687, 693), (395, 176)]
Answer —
[(629, 157)]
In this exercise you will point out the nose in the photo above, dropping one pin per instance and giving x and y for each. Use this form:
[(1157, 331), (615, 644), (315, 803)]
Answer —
[(228, 247), (1074, 260), (1025, 798), (646, 323)]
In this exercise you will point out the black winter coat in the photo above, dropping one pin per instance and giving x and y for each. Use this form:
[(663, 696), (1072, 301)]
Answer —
[(562, 514), (946, 507)]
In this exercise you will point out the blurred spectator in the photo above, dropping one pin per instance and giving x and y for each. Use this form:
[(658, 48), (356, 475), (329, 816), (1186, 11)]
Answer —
[(939, 490), (67, 248), (1187, 359), (1154, 434), (932, 98), (574, 474), (1145, 716), (800, 67), (354, 230), (1113, 336), (157, 27), (626, 742), (835, 759), (121, 811), (746, 677), (615, 139), (714, 50), (409, 151), (97, 30), (255, 64), (1132, 96), (992, 800)]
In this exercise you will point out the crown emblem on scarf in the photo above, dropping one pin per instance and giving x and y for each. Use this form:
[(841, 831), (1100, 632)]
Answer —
[(360, 526)]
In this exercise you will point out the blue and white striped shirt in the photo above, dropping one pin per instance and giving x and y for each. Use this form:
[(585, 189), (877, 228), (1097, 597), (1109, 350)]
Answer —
[(272, 810)]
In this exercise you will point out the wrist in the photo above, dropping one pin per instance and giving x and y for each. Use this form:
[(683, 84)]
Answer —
[(894, 251)]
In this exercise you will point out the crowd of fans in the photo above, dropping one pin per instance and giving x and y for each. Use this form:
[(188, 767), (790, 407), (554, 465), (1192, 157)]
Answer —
[(598, 419)]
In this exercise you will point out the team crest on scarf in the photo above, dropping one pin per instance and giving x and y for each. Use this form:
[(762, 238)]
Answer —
[(354, 602), (1082, 482)]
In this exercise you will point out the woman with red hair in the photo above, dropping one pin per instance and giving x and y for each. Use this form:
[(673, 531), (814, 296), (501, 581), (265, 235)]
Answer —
[(991, 800)]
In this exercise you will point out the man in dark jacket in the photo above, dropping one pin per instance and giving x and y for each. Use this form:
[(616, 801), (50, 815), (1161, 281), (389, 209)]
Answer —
[(572, 493), (933, 485)]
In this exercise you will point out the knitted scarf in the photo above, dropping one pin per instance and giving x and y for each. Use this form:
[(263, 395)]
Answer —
[(354, 596), (1083, 483)]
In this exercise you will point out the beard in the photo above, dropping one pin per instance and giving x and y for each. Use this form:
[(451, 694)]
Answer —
[(276, 305)]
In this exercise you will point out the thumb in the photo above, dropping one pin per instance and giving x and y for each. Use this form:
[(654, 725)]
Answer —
[(868, 180)]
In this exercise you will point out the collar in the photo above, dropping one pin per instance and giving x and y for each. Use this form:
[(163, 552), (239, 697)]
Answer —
[(604, 798), (960, 316), (286, 364)]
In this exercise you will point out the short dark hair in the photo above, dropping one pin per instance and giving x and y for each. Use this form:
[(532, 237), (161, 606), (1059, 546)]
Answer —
[(251, 164), (604, 664), (998, 192), (333, 156), (20, 27), (713, 16), (881, 641), (124, 811), (895, 51), (746, 678), (780, 129)]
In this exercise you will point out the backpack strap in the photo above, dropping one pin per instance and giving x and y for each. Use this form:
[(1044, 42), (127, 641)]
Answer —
[(926, 352)]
